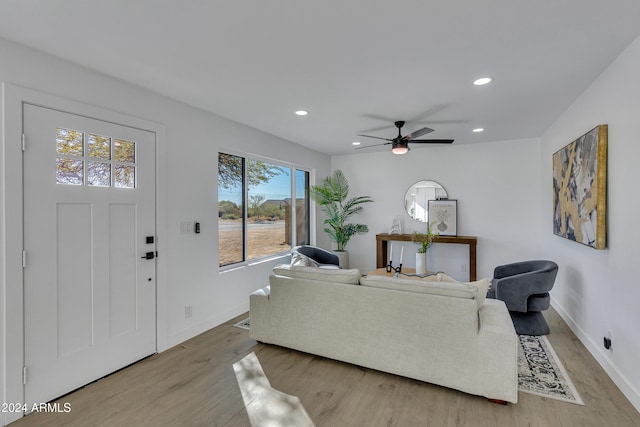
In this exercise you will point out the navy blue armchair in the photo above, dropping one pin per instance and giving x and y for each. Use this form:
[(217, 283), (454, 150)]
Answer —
[(524, 287)]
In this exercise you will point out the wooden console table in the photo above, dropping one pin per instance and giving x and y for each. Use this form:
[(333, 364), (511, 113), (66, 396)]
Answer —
[(383, 239)]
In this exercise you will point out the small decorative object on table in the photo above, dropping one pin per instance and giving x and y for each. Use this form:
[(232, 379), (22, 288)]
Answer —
[(397, 270), (424, 240), (396, 227)]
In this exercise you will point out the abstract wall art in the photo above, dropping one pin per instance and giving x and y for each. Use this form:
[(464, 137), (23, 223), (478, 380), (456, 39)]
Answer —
[(580, 189)]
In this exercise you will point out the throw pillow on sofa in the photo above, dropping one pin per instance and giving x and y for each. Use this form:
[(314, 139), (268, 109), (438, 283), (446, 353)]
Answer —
[(483, 287), (301, 260), (347, 276)]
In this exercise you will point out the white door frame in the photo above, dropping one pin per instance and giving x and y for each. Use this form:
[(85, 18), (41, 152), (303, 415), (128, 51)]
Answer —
[(11, 216)]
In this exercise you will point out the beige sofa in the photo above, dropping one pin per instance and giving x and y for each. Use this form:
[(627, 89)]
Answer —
[(439, 331)]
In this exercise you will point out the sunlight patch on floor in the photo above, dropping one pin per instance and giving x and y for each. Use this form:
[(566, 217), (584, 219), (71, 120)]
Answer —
[(266, 406)]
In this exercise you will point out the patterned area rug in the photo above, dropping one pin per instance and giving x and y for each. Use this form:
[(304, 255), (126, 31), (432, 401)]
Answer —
[(541, 373), (244, 324), (539, 369)]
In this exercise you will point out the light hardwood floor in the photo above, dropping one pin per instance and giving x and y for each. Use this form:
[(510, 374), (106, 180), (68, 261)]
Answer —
[(193, 384)]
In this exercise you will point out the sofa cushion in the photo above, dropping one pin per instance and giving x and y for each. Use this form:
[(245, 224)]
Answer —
[(347, 276), (482, 285), (444, 278), (435, 277), (435, 287), (472, 290)]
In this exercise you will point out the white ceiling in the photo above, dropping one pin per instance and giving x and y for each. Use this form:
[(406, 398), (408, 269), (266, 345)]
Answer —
[(355, 65)]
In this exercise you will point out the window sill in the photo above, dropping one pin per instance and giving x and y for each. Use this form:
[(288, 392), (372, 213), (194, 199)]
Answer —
[(241, 265)]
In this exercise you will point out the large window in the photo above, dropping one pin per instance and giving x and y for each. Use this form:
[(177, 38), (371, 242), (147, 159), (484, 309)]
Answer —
[(257, 215), (302, 208)]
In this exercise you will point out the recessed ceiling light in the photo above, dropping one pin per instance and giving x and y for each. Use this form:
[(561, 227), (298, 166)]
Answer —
[(476, 130), (482, 81), (356, 143), (302, 113)]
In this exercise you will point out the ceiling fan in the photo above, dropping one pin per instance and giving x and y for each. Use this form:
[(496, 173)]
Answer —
[(400, 144)]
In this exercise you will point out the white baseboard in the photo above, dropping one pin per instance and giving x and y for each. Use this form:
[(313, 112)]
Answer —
[(601, 357), (205, 325)]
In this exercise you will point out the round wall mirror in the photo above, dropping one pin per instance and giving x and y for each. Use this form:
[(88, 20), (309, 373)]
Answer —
[(416, 199)]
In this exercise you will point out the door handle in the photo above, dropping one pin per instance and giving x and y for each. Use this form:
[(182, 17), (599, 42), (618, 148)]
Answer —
[(149, 255)]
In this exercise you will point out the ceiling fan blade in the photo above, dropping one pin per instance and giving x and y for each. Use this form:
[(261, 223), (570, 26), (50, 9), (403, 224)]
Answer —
[(376, 137), (374, 145), (378, 128), (380, 118), (432, 141), (419, 132)]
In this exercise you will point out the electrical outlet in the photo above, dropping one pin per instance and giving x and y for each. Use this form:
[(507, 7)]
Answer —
[(463, 268), (188, 311), (608, 341)]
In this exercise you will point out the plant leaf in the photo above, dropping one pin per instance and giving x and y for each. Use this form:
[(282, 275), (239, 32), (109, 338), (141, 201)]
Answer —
[(330, 197)]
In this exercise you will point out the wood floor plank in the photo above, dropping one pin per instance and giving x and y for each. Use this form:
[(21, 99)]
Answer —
[(193, 384)]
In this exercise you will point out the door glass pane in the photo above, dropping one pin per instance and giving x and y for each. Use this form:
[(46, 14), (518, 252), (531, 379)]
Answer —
[(269, 209), (124, 151), (230, 209), (69, 171), (69, 142), (302, 208), (124, 176), (99, 146), (99, 174)]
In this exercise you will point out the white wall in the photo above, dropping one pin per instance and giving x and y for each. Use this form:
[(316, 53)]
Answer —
[(193, 139), (503, 191), (496, 185), (598, 290)]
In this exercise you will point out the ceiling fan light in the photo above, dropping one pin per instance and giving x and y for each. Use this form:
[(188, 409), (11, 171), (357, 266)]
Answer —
[(399, 150), (399, 146)]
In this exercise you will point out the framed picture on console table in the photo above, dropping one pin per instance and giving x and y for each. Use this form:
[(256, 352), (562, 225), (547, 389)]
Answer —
[(443, 214)]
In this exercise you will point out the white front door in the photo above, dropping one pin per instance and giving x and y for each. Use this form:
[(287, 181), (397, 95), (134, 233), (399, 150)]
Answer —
[(89, 222)]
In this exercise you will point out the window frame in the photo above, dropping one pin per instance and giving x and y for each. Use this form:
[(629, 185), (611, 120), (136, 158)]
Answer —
[(309, 219)]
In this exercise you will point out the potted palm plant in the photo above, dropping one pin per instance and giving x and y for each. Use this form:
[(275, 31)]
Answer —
[(331, 196), (424, 240)]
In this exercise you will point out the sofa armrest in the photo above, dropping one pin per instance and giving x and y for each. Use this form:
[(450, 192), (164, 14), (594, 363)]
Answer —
[(499, 369), (258, 303), (494, 318), (264, 292)]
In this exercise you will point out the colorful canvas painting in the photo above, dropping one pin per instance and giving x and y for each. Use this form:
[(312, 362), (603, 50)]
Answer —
[(579, 189)]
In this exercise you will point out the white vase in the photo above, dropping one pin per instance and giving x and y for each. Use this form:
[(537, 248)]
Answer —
[(343, 257), (421, 263)]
